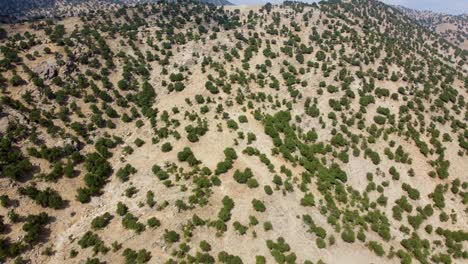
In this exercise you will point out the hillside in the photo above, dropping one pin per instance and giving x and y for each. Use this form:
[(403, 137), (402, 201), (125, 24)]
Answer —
[(453, 28), (12, 11), (192, 133)]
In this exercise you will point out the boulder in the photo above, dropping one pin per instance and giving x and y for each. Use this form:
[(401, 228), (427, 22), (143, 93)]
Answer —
[(47, 69)]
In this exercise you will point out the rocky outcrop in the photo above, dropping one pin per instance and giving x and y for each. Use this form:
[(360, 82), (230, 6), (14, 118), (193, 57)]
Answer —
[(47, 69)]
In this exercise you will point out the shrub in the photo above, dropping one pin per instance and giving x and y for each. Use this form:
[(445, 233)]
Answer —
[(14, 164), (243, 177), (5, 200), (380, 119), (267, 226), (131, 256), (16, 80), (123, 173), (47, 198), (205, 246), (232, 124), (210, 87), (130, 221), (153, 222), (122, 209), (252, 183), (374, 156), (34, 226), (225, 212), (90, 239), (166, 147), (171, 236), (242, 119), (139, 142), (320, 55), (258, 205), (320, 243), (240, 228), (187, 155), (348, 236), (376, 248), (223, 166), (366, 100), (230, 153), (102, 221), (308, 200), (412, 193)]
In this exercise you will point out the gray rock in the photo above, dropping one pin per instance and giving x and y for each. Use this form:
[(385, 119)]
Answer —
[(68, 141), (4, 122), (47, 69)]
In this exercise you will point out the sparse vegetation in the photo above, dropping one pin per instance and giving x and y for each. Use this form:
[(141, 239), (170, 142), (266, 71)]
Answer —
[(166, 132)]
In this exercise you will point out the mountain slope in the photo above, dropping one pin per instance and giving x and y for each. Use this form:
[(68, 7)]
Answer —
[(190, 133), (453, 28), (13, 10)]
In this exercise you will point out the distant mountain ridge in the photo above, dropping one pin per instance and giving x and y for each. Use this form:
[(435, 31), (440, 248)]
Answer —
[(14, 10), (453, 28)]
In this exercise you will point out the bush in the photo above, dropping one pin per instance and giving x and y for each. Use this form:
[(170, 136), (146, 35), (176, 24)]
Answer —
[(258, 205), (230, 153), (243, 177), (47, 198), (5, 200), (308, 200), (380, 119), (260, 259), (90, 239), (171, 236), (267, 226), (225, 212), (154, 222), (93, 260), (139, 142), (33, 227), (232, 124), (123, 173), (339, 140), (210, 87), (252, 183), (187, 155), (131, 256), (240, 228), (348, 236), (122, 209), (166, 147), (374, 156), (366, 100), (376, 248), (101, 221), (412, 193), (16, 80), (13, 164), (320, 243), (223, 166), (131, 222), (242, 119), (320, 55), (205, 246)]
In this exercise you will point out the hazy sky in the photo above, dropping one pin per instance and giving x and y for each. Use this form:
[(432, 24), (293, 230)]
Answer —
[(444, 6)]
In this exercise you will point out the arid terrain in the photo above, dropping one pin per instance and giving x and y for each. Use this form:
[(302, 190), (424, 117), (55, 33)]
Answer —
[(184, 132), (453, 28)]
